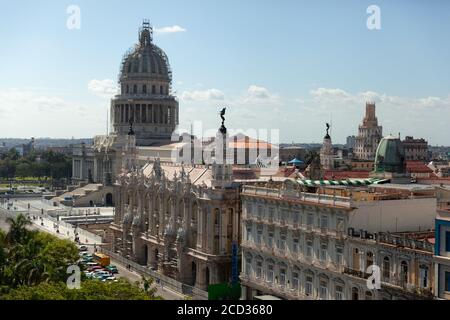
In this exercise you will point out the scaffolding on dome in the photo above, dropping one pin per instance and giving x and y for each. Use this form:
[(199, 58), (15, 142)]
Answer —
[(147, 26)]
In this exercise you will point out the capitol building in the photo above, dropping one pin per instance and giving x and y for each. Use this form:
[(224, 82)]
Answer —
[(284, 237), (145, 97)]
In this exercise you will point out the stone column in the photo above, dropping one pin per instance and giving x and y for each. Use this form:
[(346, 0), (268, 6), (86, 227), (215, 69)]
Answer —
[(200, 227)]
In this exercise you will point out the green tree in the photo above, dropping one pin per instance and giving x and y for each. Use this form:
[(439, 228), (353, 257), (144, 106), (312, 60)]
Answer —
[(90, 290), (18, 232), (7, 168), (23, 169)]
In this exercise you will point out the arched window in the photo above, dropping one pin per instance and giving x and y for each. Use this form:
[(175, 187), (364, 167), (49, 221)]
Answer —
[(309, 278), (295, 279), (248, 265), (356, 258), (404, 272), (369, 259), (259, 267), (282, 273), (369, 295), (135, 89), (144, 88), (423, 273), (323, 289), (128, 89), (339, 290), (386, 268), (216, 235), (355, 293), (270, 271)]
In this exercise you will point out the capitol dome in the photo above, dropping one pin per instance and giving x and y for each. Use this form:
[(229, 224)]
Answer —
[(145, 60), (145, 101), (390, 155)]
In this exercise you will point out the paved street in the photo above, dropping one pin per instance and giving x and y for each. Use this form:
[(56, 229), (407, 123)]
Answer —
[(68, 232)]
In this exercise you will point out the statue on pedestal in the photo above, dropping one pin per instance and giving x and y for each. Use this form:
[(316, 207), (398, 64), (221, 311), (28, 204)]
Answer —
[(223, 129)]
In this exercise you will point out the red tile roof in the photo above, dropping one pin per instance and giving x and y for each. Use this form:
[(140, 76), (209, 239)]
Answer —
[(417, 167), (342, 175)]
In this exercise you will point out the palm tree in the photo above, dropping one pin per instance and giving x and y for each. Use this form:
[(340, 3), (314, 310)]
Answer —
[(3, 254), (147, 283), (18, 232)]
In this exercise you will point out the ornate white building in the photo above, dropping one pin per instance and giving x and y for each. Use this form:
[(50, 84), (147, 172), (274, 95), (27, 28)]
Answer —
[(369, 135), (298, 245), (180, 220)]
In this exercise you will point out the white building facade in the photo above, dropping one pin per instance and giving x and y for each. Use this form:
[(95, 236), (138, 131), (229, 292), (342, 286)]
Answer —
[(299, 245)]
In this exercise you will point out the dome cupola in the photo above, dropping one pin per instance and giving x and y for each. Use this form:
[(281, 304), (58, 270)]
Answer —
[(390, 155), (145, 60)]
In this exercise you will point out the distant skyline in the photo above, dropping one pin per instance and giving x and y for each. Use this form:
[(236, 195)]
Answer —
[(288, 65)]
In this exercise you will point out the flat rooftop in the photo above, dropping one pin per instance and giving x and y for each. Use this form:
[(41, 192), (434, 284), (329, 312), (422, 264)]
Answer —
[(407, 186)]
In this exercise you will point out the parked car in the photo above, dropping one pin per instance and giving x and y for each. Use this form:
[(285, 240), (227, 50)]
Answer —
[(110, 279), (103, 273), (83, 248), (88, 259), (112, 268), (95, 268)]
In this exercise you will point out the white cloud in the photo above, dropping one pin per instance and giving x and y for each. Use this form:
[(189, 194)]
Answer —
[(258, 92), (103, 88), (204, 95), (27, 113), (169, 29)]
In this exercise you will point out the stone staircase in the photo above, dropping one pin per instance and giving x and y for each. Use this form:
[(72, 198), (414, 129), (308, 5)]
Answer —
[(78, 193)]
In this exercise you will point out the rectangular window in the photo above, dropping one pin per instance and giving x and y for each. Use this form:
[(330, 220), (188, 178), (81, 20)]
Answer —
[(339, 293), (283, 242), (323, 252), (323, 290), (248, 267), (309, 248), (310, 219), (249, 210), (339, 255), (270, 273), (282, 276), (249, 232), (295, 218), (447, 281), (308, 286), (270, 239), (295, 281), (324, 222), (271, 214), (340, 224), (258, 269), (447, 241), (259, 236), (295, 246), (260, 212)]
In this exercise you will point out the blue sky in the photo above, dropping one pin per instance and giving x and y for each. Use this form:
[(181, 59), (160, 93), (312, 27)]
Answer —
[(288, 65)]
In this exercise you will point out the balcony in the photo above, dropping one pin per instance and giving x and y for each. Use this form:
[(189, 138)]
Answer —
[(356, 273)]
